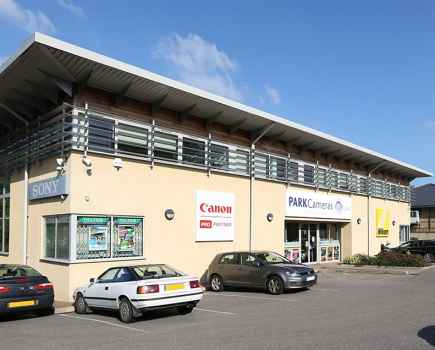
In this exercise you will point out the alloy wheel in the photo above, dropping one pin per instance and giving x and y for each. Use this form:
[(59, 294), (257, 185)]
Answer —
[(216, 283)]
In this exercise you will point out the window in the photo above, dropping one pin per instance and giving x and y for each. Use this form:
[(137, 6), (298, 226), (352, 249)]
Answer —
[(4, 216), (123, 275), (108, 276), (101, 134), (218, 156), (193, 151), (132, 140), (229, 259), (343, 181), (239, 161), (261, 165), (333, 179), (271, 258), (404, 233), (291, 232), (7, 271), (321, 177), (247, 259), (277, 168), (93, 237), (293, 171), (165, 146), (56, 241), (308, 174), (363, 185), (155, 271)]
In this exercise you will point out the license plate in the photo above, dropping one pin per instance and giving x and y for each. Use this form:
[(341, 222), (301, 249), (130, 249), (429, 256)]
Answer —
[(16, 304), (171, 287), (311, 278)]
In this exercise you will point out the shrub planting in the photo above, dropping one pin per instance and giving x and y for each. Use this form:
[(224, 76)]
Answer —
[(386, 259)]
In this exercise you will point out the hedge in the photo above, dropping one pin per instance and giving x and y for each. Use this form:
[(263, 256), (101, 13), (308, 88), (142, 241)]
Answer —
[(386, 259)]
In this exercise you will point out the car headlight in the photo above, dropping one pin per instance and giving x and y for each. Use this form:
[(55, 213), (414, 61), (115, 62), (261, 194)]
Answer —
[(293, 274)]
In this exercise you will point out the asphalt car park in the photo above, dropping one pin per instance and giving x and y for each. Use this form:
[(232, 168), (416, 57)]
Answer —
[(344, 311)]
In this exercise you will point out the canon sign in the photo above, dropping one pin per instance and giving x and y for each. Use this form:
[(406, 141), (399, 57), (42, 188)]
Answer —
[(214, 208), (214, 216)]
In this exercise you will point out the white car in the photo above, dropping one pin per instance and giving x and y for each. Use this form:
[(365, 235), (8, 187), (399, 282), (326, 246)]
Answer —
[(132, 290)]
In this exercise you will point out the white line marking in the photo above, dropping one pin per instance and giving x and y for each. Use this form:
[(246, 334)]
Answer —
[(216, 311), (250, 297), (104, 322)]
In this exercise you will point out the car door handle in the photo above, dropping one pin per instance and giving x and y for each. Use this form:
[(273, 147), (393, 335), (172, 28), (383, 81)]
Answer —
[(106, 288)]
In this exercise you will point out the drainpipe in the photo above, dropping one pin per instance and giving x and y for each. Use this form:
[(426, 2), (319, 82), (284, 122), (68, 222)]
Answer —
[(25, 212), (251, 183), (368, 205)]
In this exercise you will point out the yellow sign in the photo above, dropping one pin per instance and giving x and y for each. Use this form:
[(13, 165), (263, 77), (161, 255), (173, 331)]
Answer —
[(383, 219)]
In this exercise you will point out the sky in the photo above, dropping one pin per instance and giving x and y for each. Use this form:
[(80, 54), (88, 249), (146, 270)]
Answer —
[(363, 71)]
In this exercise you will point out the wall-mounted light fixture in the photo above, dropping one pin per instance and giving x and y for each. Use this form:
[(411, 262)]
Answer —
[(358, 221), (60, 166), (269, 217), (88, 164), (169, 214), (118, 163), (394, 222)]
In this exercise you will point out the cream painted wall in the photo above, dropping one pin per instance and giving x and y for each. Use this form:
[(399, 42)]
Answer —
[(400, 212), (138, 189)]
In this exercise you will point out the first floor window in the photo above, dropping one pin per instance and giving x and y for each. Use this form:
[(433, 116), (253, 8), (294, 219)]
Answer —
[(4, 217), (193, 151), (57, 234)]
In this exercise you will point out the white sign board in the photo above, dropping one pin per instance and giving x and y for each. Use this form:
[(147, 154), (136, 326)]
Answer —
[(302, 204), (214, 216)]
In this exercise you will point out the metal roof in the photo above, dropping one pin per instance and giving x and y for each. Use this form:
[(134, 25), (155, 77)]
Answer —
[(423, 196), (30, 81)]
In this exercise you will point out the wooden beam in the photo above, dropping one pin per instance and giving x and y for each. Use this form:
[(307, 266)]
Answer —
[(156, 105), (210, 120), (54, 62), (236, 126), (258, 134), (42, 90), (60, 83), (13, 113), (184, 113)]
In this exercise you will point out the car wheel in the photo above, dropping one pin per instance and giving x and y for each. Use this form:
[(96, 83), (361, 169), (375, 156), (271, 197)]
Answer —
[(428, 258), (216, 283), (80, 306), (184, 310), (126, 313), (275, 285), (47, 312)]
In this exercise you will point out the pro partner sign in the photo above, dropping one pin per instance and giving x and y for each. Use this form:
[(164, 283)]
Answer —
[(214, 216), (52, 187), (318, 205)]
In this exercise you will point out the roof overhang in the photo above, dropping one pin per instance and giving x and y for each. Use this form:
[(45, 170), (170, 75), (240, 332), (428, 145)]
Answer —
[(31, 80)]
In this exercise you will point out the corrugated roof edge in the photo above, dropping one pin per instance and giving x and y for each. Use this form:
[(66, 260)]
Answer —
[(111, 62)]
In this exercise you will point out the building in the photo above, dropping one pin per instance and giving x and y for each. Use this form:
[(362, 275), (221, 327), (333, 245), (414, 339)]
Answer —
[(423, 212), (103, 163)]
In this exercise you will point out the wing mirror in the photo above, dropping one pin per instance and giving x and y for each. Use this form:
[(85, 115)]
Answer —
[(258, 263), (92, 280)]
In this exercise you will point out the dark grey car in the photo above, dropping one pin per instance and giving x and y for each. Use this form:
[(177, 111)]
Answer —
[(267, 270)]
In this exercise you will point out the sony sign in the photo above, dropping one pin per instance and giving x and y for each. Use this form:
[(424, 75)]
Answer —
[(319, 205), (52, 187)]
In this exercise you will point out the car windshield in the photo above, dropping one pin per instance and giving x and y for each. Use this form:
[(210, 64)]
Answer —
[(155, 271), (13, 271), (272, 258)]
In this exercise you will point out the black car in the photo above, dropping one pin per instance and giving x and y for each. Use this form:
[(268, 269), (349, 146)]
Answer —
[(267, 270), (425, 248), (23, 289)]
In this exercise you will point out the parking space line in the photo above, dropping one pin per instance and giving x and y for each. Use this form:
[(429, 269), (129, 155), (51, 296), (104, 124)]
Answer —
[(216, 311), (104, 322), (250, 297)]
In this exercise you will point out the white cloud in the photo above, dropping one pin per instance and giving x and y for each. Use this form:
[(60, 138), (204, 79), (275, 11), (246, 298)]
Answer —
[(273, 95), (28, 20), (3, 59), (71, 7), (200, 63)]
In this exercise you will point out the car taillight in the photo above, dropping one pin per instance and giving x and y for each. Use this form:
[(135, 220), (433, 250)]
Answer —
[(4, 289), (194, 284), (152, 288), (43, 286)]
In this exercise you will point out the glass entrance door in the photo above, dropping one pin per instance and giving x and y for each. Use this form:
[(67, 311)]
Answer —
[(308, 243)]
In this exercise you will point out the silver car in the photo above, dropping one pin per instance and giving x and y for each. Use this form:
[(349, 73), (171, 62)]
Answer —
[(263, 269)]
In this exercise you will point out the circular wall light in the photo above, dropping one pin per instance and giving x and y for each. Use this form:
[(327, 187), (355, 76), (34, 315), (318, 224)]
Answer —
[(169, 214), (269, 217), (358, 221)]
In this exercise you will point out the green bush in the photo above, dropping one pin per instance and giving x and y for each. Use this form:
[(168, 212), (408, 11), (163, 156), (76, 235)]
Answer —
[(386, 259)]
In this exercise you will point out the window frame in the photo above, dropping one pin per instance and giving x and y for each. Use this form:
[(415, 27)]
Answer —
[(5, 220), (73, 240)]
